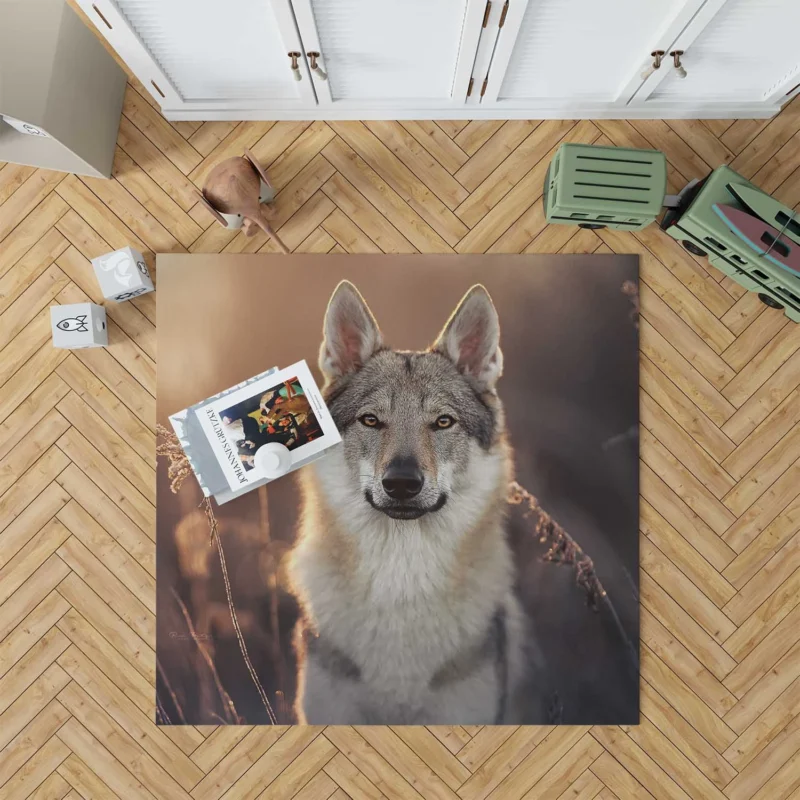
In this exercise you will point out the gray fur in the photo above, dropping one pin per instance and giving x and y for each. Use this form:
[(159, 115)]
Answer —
[(421, 608), (408, 391), (309, 644), (394, 383), (493, 650)]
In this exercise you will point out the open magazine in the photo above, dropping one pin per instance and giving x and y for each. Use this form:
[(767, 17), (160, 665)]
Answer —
[(222, 434)]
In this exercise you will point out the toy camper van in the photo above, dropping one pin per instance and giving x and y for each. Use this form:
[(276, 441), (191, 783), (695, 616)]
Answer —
[(744, 232), (706, 224)]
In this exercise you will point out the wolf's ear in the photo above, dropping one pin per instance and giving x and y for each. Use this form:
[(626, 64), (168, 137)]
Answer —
[(350, 333), (471, 339)]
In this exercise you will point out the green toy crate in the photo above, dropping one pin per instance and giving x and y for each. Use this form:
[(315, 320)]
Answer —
[(598, 187), (702, 232)]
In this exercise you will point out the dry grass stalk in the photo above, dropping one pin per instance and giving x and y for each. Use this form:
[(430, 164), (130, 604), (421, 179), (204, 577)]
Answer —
[(262, 694), (162, 718), (274, 617), (563, 549), (227, 703), (172, 696), (179, 469), (631, 289), (208, 510)]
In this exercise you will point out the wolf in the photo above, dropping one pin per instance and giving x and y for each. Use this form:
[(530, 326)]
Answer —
[(402, 568)]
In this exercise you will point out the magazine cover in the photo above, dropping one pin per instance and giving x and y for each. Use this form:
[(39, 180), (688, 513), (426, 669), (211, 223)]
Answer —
[(281, 407)]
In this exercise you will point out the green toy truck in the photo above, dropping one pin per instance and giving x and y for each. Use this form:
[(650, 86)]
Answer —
[(605, 187), (614, 187), (702, 232)]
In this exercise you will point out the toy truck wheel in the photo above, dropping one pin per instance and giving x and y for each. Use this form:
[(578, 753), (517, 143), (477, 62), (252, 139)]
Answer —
[(693, 248), (592, 226), (769, 301)]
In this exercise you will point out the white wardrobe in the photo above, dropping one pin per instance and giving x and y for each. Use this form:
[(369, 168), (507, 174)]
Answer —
[(446, 59)]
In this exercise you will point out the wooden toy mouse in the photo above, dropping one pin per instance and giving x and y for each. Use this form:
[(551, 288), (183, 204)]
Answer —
[(234, 192)]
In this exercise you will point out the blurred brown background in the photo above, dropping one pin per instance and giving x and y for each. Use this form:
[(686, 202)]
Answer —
[(570, 388)]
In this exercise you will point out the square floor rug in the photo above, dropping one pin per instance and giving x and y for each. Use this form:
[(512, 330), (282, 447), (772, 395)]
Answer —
[(467, 554)]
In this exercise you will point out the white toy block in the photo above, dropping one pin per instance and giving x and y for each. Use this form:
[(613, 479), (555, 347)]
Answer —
[(78, 325), (122, 274)]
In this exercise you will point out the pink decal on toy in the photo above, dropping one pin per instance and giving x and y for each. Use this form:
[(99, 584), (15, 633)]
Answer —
[(767, 241)]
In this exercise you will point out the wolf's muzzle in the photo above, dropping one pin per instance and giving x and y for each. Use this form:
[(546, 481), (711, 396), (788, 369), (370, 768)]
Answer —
[(402, 479), (401, 511)]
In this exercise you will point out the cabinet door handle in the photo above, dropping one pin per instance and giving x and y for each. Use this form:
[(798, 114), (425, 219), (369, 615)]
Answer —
[(657, 56), (676, 60), (100, 14), (315, 68), (295, 66)]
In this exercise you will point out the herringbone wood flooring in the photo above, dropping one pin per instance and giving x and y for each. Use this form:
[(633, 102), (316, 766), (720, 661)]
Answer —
[(720, 466)]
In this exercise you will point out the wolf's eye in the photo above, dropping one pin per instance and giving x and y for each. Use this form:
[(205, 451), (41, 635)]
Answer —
[(445, 421), (370, 420)]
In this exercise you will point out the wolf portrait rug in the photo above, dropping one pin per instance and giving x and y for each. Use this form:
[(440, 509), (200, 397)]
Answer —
[(463, 551)]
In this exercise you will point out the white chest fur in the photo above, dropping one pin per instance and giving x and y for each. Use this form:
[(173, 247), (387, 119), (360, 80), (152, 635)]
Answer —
[(402, 599), (406, 607)]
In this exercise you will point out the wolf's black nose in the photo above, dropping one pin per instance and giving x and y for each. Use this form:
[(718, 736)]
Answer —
[(402, 479)]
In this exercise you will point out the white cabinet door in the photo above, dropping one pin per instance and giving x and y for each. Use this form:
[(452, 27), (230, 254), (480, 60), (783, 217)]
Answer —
[(208, 54), (435, 59), (387, 54), (563, 54), (736, 51)]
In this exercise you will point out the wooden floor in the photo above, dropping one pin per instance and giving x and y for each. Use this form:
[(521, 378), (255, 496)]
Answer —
[(720, 509)]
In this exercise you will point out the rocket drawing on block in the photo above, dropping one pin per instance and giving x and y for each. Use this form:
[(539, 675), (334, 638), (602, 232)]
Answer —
[(74, 324), (78, 325)]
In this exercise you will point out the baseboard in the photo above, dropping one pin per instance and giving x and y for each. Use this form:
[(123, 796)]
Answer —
[(651, 111)]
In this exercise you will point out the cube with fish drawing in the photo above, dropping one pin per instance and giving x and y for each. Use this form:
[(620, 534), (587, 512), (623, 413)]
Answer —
[(122, 275), (78, 325)]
